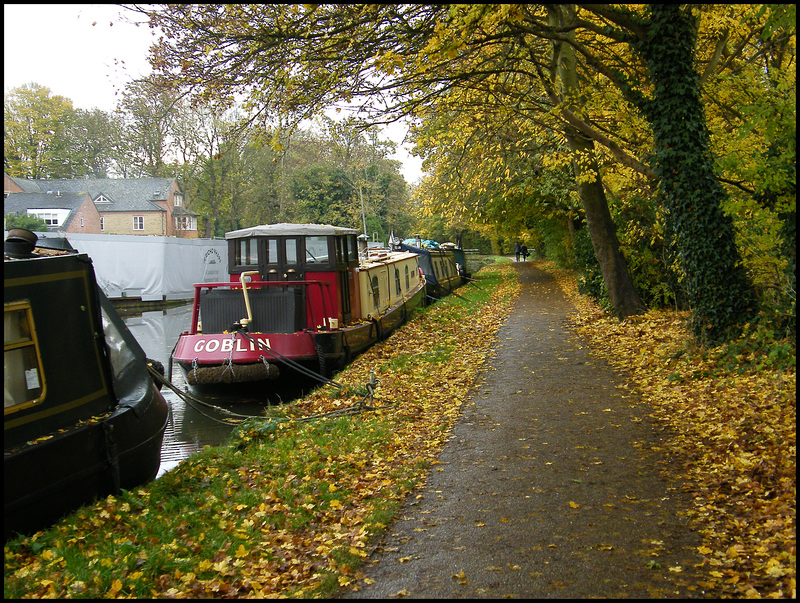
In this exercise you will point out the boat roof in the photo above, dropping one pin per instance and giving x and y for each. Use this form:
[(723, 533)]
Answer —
[(285, 229)]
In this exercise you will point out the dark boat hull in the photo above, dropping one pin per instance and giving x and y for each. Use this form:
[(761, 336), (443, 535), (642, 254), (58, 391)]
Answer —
[(85, 463)]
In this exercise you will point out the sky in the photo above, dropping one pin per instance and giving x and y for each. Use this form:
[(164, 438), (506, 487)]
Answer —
[(88, 52)]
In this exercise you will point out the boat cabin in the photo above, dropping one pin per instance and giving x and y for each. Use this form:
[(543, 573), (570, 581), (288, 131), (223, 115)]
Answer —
[(321, 257), (309, 277)]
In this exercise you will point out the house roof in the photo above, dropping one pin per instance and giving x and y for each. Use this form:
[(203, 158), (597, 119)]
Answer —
[(123, 194), (28, 186), (20, 203)]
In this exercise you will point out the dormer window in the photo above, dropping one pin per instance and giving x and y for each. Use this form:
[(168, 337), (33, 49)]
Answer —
[(101, 199), (178, 200)]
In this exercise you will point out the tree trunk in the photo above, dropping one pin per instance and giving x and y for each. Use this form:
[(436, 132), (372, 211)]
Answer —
[(617, 278), (704, 237)]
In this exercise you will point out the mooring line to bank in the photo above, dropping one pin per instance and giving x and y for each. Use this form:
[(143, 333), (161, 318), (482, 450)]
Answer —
[(189, 399), (237, 418), (295, 365)]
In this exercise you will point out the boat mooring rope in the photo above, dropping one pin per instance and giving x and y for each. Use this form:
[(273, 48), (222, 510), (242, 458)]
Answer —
[(288, 361), (237, 418)]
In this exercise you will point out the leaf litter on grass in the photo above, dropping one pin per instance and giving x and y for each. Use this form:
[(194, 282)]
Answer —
[(734, 434), (287, 510)]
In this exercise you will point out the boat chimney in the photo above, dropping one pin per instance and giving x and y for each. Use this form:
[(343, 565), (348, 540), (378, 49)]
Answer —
[(362, 245), (418, 238), (20, 243)]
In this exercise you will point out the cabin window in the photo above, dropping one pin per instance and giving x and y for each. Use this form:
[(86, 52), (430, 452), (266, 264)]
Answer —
[(317, 250), (246, 253), (291, 251), (341, 250), (24, 380), (352, 249), (376, 292), (272, 251), (397, 281), (408, 282)]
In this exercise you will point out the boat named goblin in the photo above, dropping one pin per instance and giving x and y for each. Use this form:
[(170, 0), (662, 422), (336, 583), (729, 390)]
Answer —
[(299, 296)]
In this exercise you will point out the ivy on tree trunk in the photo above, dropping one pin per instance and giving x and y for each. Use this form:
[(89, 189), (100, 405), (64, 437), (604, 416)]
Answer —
[(703, 236)]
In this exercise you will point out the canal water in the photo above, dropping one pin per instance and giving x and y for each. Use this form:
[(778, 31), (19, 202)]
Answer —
[(191, 425)]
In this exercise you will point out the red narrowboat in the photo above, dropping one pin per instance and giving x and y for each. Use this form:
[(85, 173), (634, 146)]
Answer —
[(299, 295)]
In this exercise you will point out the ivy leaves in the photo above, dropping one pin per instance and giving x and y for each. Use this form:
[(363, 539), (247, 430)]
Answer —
[(702, 234)]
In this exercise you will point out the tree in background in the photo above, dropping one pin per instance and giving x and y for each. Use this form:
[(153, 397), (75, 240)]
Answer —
[(396, 60), (32, 223), (36, 128), (146, 111)]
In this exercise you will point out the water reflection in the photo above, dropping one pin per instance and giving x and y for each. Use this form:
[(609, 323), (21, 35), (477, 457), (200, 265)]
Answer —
[(193, 426)]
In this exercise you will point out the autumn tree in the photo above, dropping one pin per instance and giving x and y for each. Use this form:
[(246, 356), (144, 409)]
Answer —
[(692, 195), (36, 127), (396, 59), (361, 159), (146, 110)]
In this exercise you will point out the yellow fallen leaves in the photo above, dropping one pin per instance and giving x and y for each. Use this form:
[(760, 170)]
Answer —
[(735, 434)]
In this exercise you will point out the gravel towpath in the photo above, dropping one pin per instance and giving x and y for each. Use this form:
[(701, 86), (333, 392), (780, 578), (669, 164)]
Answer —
[(548, 487)]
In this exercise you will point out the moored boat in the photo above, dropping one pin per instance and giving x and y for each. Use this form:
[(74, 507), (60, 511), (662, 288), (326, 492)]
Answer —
[(444, 266), (300, 296), (82, 416)]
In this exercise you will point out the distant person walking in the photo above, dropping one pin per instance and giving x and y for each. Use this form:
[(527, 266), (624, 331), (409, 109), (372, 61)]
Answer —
[(524, 251), (517, 250)]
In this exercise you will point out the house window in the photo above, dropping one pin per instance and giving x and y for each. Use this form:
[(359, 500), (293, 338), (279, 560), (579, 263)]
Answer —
[(52, 217), (101, 199), (24, 380), (185, 223), (178, 200), (81, 222), (102, 223), (138, 222)]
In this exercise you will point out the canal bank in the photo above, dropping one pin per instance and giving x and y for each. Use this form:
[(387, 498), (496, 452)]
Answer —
[(288, 510), (195, 425)]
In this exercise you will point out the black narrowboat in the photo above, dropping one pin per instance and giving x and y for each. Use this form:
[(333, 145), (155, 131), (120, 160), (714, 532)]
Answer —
[(444, 266), (82, 417)]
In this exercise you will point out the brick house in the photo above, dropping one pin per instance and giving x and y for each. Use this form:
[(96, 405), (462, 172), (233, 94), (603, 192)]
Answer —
[(63, 212), (131, 206)]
